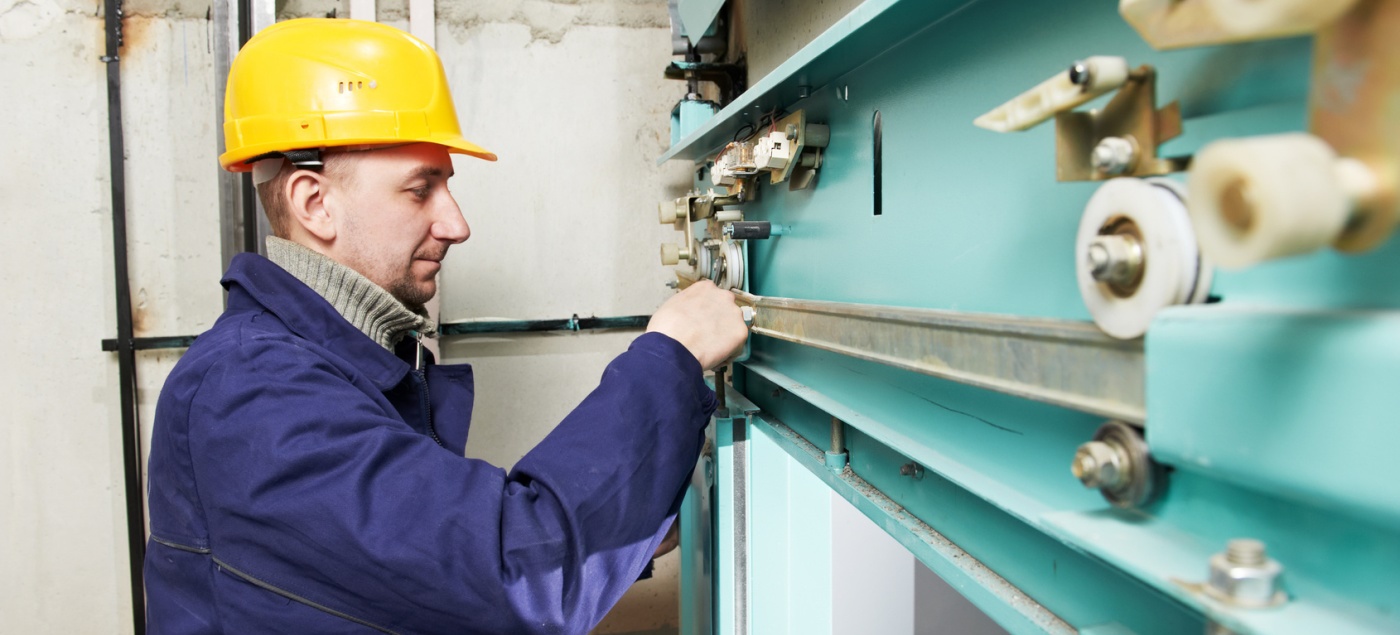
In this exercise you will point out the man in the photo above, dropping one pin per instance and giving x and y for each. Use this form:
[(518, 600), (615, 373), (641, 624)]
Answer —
[(306, 470)]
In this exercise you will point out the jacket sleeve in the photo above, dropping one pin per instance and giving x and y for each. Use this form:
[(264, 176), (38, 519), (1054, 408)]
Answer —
[(314, 487)]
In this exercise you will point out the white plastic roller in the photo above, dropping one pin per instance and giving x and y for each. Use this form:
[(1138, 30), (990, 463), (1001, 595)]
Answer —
[(1260, 198), (1145, 221), (674, 211), (673, 254)]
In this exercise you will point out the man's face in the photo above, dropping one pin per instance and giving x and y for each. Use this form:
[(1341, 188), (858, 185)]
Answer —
[(395, 218)]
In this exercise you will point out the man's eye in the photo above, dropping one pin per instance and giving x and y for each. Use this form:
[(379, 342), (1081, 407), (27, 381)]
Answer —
[(420, 192)]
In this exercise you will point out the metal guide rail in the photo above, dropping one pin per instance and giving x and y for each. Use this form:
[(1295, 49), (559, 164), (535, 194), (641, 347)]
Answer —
[(1060, 362)]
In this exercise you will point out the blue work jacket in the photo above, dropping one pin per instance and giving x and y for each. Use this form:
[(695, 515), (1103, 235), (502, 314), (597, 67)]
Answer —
[(303, 479)]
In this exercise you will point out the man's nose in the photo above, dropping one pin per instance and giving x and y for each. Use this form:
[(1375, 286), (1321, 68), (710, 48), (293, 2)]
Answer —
[(451, 227)]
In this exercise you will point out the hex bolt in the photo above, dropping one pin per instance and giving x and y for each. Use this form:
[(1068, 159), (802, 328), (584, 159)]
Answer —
[(1099, 465), (1245, 576), (748, 313), (1113, 156), (912, 470), (1114, 258)]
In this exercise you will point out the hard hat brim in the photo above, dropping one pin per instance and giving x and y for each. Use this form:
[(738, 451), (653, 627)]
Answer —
[(459, 145), (454, 145)]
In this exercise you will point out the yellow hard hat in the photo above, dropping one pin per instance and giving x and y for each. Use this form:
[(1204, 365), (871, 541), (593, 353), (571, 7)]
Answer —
[(322, 82)]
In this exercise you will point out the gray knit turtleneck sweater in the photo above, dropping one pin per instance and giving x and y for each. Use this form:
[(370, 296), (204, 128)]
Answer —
[(361, 302)]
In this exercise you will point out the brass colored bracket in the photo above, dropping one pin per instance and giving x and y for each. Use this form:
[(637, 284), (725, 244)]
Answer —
[(1132, 115), (1355, 93), (1174, 24)]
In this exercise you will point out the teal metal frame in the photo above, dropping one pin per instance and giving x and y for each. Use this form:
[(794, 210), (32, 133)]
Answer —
[(1271, 410)]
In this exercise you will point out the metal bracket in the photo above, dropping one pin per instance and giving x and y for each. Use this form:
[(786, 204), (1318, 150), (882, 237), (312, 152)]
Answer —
[(1355, 86), (1131, 115)]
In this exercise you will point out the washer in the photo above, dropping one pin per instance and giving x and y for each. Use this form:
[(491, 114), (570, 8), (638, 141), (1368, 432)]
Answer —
[(1153, 212)]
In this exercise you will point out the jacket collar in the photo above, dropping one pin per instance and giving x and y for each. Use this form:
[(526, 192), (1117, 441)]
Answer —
[(255, 282)]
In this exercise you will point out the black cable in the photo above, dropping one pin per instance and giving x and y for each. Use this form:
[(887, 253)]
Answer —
[(126, 353), (248, 194)]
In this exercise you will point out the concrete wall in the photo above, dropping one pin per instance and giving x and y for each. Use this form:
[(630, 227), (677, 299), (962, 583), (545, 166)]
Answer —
[(570, 96)]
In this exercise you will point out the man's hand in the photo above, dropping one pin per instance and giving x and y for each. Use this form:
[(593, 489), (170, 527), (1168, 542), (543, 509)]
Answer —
[(705, 320)]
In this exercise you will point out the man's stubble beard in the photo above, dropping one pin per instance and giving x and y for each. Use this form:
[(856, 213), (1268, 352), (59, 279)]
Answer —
[(406, 290)]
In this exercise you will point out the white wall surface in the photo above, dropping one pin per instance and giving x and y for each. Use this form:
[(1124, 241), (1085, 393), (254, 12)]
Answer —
[(569, 94)]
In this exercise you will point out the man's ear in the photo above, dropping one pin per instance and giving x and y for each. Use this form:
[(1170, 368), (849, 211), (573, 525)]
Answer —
[(306, 195)]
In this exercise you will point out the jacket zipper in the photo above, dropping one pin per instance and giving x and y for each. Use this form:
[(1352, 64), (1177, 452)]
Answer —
[(297, 598), (422, 373)]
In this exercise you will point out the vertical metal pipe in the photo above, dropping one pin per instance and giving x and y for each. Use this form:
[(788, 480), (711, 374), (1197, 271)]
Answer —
[(126, 352), (741, 524), (838, 436), (231, 193)]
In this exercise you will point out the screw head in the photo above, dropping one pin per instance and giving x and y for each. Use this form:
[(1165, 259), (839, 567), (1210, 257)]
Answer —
[(1079, 73)]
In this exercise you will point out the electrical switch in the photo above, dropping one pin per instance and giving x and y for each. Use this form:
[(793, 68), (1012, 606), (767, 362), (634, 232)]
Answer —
[(773, 151), (734, 162)]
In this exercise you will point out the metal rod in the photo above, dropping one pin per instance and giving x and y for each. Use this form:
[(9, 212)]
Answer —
[(741, 521), (150, 343), (126, 354), (1061, 362), (838, 436), (452, 329), (575, 323)]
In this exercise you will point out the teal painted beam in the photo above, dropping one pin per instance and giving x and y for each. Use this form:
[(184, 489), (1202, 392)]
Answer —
[(867, 30), (1081, 590), (1005, 603)]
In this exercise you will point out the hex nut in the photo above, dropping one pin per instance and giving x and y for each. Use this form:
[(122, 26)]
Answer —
[(1113, 156), (1098, 465), (1254, 585)]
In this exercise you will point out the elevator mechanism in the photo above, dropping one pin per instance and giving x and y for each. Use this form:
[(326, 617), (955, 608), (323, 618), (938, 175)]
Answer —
[(1110, 356)]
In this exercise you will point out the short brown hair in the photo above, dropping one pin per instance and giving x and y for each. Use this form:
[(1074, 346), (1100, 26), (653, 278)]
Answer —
[(336, 166)]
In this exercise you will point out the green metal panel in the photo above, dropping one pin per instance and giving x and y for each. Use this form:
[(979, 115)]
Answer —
[(791, 545), (697, 549), (731, 552)]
